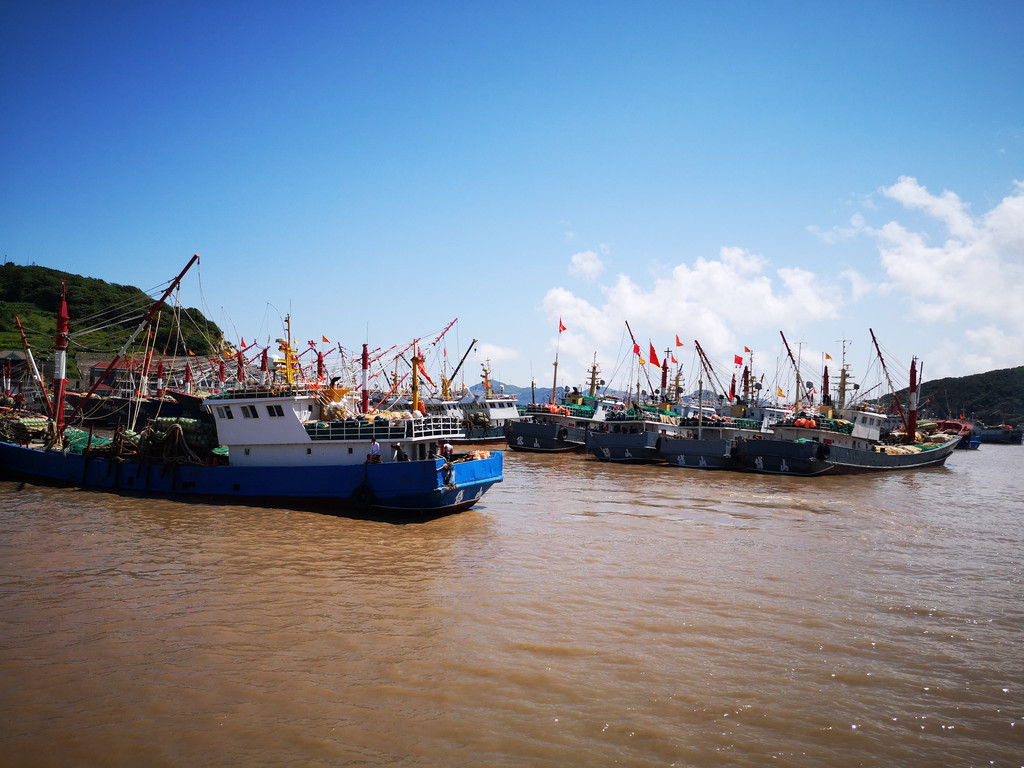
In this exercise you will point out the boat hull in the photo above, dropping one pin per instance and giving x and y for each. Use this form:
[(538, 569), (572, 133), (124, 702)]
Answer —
[(810, 458), (635, 448), (534, 437), (694, 453), (1007, 435), (851, 461), (428, 488), (481, 437)]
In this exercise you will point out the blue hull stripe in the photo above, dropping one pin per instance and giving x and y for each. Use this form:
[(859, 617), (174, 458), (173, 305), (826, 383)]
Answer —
[(413, 485)]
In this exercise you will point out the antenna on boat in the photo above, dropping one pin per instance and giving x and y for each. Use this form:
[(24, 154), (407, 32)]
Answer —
[(844, 374)]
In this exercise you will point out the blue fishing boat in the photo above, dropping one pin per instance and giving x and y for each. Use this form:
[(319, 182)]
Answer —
[(289, 443)]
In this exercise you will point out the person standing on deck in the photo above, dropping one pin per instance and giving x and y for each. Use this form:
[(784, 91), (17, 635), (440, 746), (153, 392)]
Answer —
[(373, 457)]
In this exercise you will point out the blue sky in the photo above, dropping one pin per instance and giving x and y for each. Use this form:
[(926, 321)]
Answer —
[(717, 171)]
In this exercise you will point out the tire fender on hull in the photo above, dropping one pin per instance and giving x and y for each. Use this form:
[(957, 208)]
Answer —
[(363, 496)]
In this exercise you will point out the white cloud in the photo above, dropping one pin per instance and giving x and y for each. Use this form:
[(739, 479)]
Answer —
[(495, 353), (840, 234), (946, 289), (969, 281), (587, 265), (947, 207), (716, 301), (860, 286)]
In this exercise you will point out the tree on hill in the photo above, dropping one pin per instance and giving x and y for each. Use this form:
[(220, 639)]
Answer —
[(102, 314), (995, 397)]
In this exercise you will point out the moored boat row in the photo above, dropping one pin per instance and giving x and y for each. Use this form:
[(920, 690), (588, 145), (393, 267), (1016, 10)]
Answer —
[(823, 439)]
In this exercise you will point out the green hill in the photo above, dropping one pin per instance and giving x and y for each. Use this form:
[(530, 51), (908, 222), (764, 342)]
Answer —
[(995, 397), (102, 315)]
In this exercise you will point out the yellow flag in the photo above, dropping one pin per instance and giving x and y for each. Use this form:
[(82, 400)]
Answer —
[(781, 393), (828, 356), (326, 340)]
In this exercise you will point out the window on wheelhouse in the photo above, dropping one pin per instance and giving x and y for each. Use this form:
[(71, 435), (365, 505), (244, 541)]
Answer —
[(224, 412)]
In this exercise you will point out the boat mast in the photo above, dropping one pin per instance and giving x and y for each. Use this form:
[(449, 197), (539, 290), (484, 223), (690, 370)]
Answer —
[(912, 405), (366, 378), (416, 361), (32, 363), (554, 383), (700, 407), (796, 405), (485, 376), (446, 383), (665, 402), (593, 378), (636, 349), (60, 360), (706, 365), (896, 400), (844, 376), (131, 339)]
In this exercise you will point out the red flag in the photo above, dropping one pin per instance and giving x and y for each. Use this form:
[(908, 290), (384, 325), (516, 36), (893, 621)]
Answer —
[(636, 349), (561, 327), (654, 356), (678, 342), (737, 359), (423, 370), (326, 340), (747, 350), (673, 357)]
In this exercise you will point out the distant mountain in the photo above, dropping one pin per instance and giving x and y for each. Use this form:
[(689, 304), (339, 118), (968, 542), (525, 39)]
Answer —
[(523, 394), (996, 397)]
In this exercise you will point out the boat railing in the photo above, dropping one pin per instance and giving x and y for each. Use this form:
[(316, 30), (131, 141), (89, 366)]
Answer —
[(247, 392), (822, 424), (727, 422), (546, 409), (433, 426), (384, 429)]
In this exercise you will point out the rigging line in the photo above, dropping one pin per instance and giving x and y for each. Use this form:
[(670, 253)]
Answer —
[(91, 331), (128, 303), (119, 319)]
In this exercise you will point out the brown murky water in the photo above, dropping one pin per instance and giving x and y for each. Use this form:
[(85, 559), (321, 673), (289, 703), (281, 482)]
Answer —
[(586, 614)]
